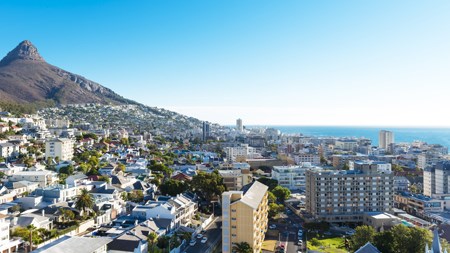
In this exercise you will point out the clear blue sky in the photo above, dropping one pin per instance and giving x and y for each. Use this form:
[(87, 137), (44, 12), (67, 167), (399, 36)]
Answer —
[(267, 62)]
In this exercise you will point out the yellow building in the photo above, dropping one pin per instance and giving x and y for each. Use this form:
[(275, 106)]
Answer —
[(244, 217)]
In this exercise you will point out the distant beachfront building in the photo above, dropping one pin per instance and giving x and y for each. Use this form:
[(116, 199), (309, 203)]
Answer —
[(436, 179), (239, 125), (385, 138)]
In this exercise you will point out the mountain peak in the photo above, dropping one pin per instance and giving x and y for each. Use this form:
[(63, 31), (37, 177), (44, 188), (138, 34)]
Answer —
[(24, 51)]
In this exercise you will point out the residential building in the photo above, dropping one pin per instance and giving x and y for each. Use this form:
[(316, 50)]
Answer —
[(235, 179), (346, 144), (385, 139), (307, 158), (59, 147), (7, 245), (241, 153), (42, 177), (76, 244), (239, 125), (379, 166), (292, 177), (57, 193), (436, 179), (417, 204), (401, 184), (206, 130), (343, 196), (244, 217), (180, 210), (8, 150)]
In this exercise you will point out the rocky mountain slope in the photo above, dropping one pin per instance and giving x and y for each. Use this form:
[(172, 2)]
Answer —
[(26, 77)]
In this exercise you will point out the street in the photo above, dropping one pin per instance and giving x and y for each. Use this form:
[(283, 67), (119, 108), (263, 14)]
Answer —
[(214, 235), (288, 229)]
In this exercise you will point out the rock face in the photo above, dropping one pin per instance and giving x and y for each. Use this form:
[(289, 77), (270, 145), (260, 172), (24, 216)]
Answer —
[(26, 77)]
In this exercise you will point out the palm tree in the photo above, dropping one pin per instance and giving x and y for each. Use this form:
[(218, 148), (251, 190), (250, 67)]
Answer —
[(84, 201), (242, 247)]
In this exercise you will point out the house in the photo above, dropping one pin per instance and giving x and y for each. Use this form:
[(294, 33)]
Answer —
[(368, 248), (135, 240), (39, 221), (105, 191), (77, 179), (76, 244), (10, 169), (57, 193), (180, 210), (21, 187), (42, 177)]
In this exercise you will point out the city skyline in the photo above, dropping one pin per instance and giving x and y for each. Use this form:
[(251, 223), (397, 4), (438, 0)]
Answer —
[(376, 63)]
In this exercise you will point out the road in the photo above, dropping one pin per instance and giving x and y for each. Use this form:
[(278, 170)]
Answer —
[(214, 235), (288, 232)]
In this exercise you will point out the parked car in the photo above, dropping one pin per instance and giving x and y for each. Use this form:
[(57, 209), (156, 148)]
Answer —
[(192, 242), (273, 226), (204, 239), (199, 236)]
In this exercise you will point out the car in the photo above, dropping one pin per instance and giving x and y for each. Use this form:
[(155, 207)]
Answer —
[(282, 246), (199, 236), (204, 239), (192, 242), (273, 226), (300, 242)]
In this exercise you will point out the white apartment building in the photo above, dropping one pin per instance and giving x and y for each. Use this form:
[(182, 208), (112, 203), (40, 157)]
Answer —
[(345, 144), (307, 158), (6, 244), (436, 179), (241, 153), (59, 147), (179, 209), (42, 177), (292, 177), (385, 138), (8, 149)]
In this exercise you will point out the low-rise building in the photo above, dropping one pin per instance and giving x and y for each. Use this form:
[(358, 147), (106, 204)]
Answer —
[(59, 147), (42, 177), (235, 179)]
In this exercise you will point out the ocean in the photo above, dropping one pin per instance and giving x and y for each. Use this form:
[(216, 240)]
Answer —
[(428, 135)]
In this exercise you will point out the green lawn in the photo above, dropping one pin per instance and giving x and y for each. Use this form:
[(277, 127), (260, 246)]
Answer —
[(329, 245)]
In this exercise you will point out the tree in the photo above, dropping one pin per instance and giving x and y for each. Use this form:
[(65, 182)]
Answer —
[(363, 234), (274, 209), (68, 170), (84, 201), (271, 197), (151, 238), (281, 193), (136, 196), (173, 187), (242, 247), (383, 241), (67, 214), (410, 239), (271, 183), (207, 185)]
